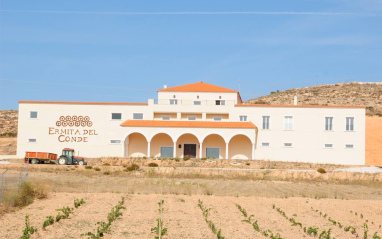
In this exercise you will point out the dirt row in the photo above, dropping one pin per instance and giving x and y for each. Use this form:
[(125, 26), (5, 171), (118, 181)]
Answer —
[(184, 219)]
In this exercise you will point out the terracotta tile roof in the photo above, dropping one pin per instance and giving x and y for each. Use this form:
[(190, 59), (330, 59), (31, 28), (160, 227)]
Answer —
[(198, 87), (300, 106), (78, 103), (187, 124)]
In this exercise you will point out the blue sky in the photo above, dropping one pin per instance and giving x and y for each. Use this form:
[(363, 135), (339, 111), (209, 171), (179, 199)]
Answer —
[(123, 51)]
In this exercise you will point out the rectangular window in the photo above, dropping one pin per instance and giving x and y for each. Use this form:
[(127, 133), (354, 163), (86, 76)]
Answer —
[(191, 117), (288, 123), (166, 117), (265, 144), (349, 146), (115, 141), (138, 116), (349, 123), (217, 118), (173, 102), (116, 116), (197, 102), (266, 122), (32, 140), (33, 114), (287, 144), (328, 123), (328, 145), (243, 118), (220, 102)]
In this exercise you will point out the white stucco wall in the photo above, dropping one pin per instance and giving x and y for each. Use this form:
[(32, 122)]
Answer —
[(308, 135)]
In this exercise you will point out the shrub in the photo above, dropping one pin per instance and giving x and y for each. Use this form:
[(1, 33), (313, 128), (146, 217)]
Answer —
[(106, 164), (9, 134), (97, 169), (107, 172), (153, 165), (88, 167), (203, 159), (185, 158), (132, 167), (321, 170), (247, 164), (29, 191), (28, 230), (78, 203)]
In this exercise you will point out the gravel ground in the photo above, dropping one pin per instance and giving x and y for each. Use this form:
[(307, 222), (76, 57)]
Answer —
[(367, 169)]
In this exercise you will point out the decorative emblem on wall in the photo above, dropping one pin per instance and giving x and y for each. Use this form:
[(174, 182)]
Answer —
[(74, 121)]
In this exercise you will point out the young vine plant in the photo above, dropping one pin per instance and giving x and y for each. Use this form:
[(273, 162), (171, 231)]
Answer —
[(159, 230)]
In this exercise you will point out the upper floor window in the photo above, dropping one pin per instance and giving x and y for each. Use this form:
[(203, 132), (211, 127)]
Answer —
[(32, 140), (173, 102), (288, 144), (166, 117), (220, 102), (218, 118), (33, 114), (265, 144), (137, 116), (266, 122), (328, 145), (288, 123), (243, 118), (197, 102), (328, 123), (191, 117), (349, 123), (116, 116), (349, 146)]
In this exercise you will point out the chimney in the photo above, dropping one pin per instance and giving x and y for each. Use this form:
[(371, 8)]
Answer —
[(295, 100), (165, 86)]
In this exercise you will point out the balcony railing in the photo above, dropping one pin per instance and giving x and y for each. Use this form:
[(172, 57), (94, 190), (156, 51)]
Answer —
[(194, 102)]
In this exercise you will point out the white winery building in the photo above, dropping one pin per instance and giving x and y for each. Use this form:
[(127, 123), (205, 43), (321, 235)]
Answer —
[(196, 120)]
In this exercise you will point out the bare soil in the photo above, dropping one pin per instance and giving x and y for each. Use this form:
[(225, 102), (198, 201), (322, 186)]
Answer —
[(183, 218), (8, 146)]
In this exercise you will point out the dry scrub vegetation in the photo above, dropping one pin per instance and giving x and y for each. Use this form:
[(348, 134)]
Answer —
[(363, 94)]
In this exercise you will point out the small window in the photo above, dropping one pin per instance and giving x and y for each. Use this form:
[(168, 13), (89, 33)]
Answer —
[(191, 117), (217, 118), (266, 122), (349, 123), (243, 118), (116, 116), (173, 102), (197, 102), (174, 96), (33, 114), (349, 146), (138, 116), (197, 97), (115, 141), (288, 123), (220, 102), (287, 144), (328, 146), (265, 144), (328, 123), (166, 117), (32, 140)]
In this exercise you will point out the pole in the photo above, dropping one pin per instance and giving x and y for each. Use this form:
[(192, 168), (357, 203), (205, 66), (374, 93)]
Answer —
[(2, 185), (21, 177)]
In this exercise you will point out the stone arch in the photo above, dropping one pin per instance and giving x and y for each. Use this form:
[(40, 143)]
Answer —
[(135, 144), (187, 138), (158, 141), (240, 147), (212, 143)]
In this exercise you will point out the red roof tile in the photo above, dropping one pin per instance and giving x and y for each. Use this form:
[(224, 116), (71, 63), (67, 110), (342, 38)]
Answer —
[(78, 103), (301, 106), (198, 87), (187, 124)]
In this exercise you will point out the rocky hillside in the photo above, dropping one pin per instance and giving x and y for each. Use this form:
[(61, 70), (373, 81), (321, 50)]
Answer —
[(8, 123), (367, 94)]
